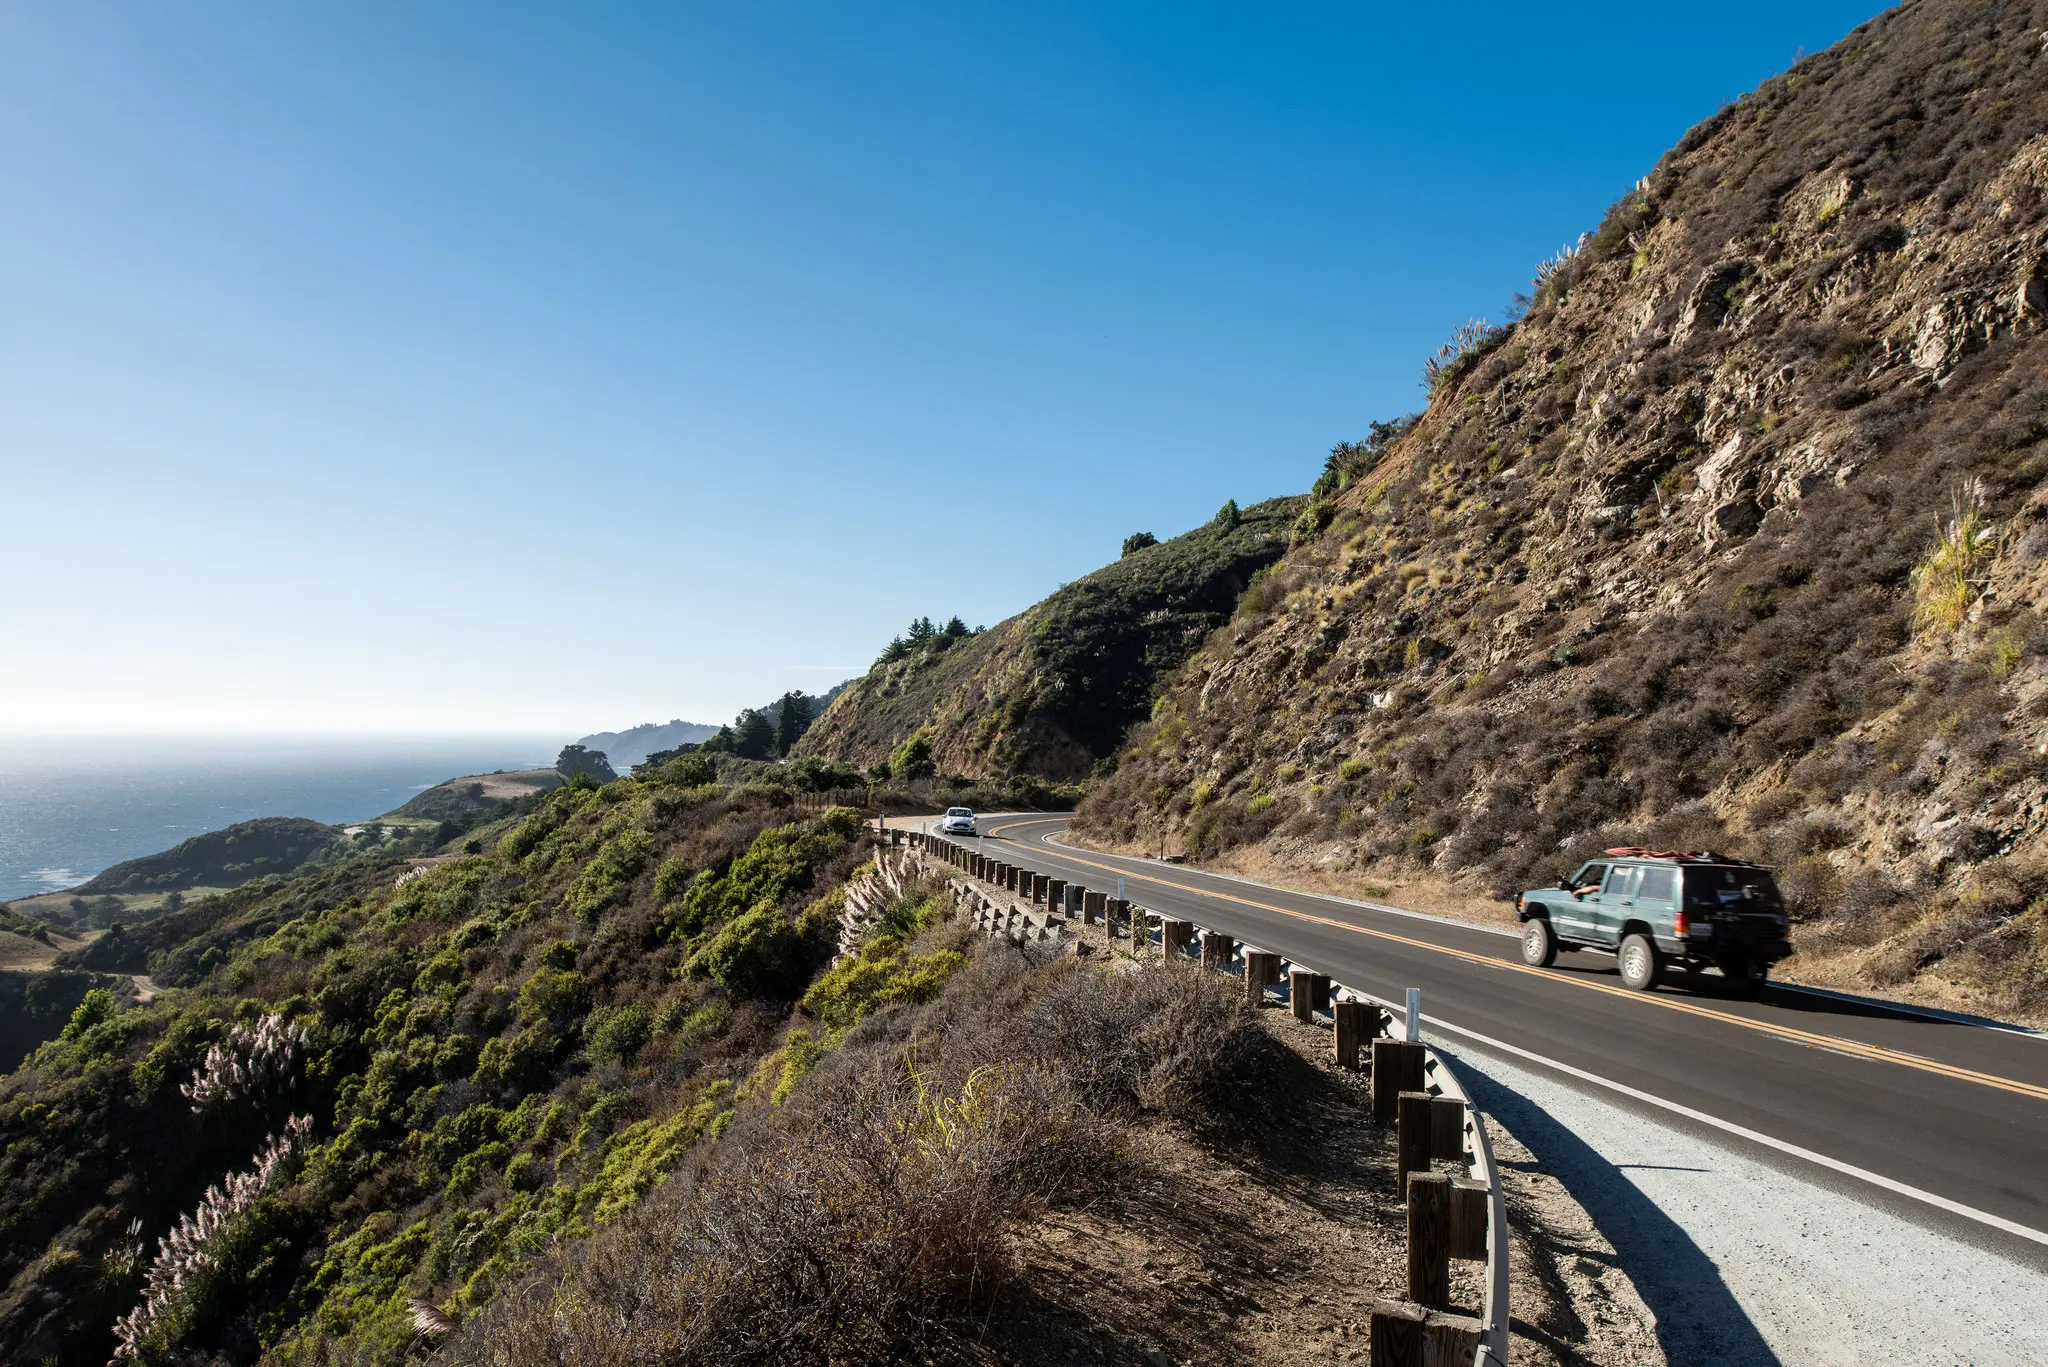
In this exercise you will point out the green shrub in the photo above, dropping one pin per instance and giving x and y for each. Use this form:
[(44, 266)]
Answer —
[(618, 1033), (913, 758), (94, 1008), (756, 953), (882, 974)]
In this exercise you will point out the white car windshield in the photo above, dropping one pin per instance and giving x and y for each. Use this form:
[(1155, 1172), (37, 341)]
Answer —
[(958, 811)]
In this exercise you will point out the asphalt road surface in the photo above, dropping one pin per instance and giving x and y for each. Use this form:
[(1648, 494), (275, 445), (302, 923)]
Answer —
[(1944, 1122)]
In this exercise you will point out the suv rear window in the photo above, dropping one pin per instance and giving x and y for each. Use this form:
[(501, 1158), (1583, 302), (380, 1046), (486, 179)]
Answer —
[(1716, 885)]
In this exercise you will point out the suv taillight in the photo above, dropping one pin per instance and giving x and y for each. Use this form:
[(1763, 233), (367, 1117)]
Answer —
[(1680, 926)]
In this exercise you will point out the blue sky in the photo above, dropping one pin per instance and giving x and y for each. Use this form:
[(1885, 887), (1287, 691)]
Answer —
[(508, 366)]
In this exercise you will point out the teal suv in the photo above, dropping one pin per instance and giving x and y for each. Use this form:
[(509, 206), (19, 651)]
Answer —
[(1657, 909)]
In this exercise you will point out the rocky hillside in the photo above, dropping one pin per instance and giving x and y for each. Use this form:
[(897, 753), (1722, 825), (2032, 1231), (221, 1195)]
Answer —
[(1738, 537), (1054, 689)]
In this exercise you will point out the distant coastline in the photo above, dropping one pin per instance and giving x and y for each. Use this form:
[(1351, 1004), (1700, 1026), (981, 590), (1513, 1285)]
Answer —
[(71, 807)]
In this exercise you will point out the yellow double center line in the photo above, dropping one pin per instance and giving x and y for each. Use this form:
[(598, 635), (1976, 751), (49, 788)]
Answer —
[(1876, 1053)]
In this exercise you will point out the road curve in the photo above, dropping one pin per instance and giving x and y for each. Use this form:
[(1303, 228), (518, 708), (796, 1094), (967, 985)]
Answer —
[(1944, 1121)]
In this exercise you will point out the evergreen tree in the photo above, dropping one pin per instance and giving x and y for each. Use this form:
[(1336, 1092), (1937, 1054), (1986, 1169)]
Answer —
[(956, 628), (1138, 541), (792, 719), (592, 764), (921, 632), (1228, 515), (754, 735)]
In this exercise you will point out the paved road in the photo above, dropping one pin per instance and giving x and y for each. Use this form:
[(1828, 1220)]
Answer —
[(1944, 1122)]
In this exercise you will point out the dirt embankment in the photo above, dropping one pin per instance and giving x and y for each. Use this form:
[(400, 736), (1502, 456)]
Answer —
[(1274, 1251)]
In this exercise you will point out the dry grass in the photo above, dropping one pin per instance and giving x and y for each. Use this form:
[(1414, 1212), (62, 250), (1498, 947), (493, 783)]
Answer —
[(868, 1220)]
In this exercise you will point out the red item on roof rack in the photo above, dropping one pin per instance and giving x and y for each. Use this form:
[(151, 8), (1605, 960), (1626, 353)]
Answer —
[(1690, 856)]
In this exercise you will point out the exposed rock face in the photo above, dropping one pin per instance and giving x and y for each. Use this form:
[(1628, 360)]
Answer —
[(1666, 556)]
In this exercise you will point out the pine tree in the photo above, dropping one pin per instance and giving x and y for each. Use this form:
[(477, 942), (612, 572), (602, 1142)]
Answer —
[(792, 719), (753, 735)]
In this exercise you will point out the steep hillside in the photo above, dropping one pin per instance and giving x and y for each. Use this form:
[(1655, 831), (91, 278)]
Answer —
[(223, 859), (1738, 538), (683, 1031), (1053, 689), (489, 1055)]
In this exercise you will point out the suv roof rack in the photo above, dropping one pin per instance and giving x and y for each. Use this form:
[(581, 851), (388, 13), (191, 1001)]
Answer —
[(1676, 856)]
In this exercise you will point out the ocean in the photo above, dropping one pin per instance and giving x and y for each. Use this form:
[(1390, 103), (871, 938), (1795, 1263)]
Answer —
[(71, 806)]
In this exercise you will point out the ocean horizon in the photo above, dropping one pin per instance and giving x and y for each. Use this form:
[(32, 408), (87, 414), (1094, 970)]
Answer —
[(73, 806)]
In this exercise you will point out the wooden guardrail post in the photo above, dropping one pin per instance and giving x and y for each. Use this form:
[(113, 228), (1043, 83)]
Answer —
[(1055, 894), (1397, 1331), (1412, 1135), (1450, 1338), (1351, 1021), (1261, 971), (1216, 949), (1446, 1127), (1429, 1239), (1119, 916), (1469, 1199), (1396, 1068), (1174, 936), (1307, 993), (1093, 905)]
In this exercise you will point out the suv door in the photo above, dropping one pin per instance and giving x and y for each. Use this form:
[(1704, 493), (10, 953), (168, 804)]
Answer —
[(1656, 900), (1576, 919), (1614, 903)]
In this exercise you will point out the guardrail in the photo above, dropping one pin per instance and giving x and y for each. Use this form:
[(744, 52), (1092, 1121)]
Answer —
[(1411, 1086)]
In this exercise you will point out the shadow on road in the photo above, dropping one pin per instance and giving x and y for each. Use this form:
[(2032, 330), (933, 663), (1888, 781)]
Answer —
[(1699, 1321)]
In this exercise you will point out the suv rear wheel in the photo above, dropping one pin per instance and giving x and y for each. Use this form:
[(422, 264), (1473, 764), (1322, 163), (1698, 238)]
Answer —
[(1641, 965), (1539, 946)]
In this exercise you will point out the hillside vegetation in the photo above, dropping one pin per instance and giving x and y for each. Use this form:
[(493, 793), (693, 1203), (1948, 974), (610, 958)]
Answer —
[(1737, 539), (225, 858), (553, 1100), (427, 1075), (1053, 690)]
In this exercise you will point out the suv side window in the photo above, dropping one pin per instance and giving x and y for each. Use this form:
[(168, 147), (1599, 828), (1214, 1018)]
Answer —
[(1621, 881), (1588, 878), (1656, 886)]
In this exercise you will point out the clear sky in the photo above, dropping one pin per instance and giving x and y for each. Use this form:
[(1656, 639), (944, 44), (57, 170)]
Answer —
[(494, 366)]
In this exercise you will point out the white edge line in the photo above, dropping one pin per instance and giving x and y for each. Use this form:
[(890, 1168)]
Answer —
[(1874, 1003)]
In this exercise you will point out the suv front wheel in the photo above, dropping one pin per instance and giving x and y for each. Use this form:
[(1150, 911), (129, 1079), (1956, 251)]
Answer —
[(1641, 965), (1539, 946)]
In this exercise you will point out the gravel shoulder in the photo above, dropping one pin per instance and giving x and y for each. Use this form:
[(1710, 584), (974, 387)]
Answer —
[(1742, 1263)]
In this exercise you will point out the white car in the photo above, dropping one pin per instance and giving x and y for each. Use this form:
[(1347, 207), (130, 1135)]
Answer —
[(957, 821)]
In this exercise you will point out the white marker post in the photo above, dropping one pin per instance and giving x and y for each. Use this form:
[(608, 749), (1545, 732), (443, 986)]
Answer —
[(1119, 887), (1414, 1032)]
